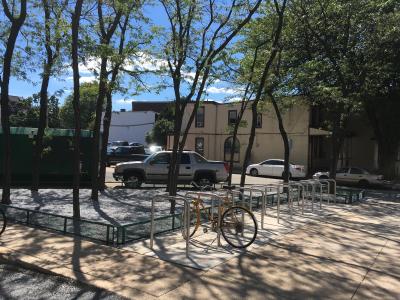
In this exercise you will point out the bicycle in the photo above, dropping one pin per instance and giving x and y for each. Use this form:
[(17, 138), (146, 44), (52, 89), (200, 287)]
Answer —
[(3, 221), (238, 225)]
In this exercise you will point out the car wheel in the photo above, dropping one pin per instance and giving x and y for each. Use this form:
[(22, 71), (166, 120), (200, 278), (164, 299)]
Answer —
[(203, 181), (363, 183), (283, 175), (254, 172), (132, 181)]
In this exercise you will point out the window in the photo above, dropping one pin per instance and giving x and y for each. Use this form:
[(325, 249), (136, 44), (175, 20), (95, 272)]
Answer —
[(273, 162), (185, 159), (200, 117), (199, 159), (259, 121), (161, 159), (232, 117), (343, 170), (121, 150), (199, 145), (356, 171), (227, 149)]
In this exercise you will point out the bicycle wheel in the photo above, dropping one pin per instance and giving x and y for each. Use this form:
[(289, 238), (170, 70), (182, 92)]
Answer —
[(3, 221), (194, 221), (238, 227)]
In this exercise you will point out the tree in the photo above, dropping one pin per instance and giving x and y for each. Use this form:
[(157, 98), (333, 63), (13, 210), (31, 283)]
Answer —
[(26, 112), (198, 33), (162, 128), (381, 91), (125, 51), (54, 36), (260, 88), (17, 20), (107, 26), (88, 99), (243, 75), (326, 61), (76, 15)]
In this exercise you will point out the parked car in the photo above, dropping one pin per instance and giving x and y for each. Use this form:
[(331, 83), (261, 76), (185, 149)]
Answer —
[(353, 175), (111, 146), (125, 153), (119, 143), (154, 169), (275, 168), (136, 144)]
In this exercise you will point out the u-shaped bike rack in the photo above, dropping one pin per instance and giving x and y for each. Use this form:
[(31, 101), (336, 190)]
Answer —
[(212, 196), (186, 211)]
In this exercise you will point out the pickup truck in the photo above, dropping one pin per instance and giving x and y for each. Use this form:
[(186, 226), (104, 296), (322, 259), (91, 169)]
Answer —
[(154, 169), (125, 153)]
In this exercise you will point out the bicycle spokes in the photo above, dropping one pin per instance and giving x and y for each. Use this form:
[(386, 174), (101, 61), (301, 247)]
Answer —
[(238, 227)]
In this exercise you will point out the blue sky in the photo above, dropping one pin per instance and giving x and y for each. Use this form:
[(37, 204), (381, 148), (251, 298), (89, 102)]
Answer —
[(217, 92)]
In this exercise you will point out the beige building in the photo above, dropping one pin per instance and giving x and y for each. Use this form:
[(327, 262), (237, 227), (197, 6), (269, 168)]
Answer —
[(210, 133), (210, 136)]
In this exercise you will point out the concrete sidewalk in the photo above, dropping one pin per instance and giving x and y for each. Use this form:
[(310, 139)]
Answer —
[(353, 252)]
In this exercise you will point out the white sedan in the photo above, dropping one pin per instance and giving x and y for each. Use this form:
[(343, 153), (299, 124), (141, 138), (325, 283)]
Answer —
[(275, 168), (353, 175)]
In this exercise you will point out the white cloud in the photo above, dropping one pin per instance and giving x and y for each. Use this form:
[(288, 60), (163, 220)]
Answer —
[(84, 79), (146, 62), (222, 90), (90, 66)]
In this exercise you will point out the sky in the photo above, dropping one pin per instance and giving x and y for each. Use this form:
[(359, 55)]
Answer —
[(217, 92)]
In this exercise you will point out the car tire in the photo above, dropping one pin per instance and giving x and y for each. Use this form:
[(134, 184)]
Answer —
[(203, 181), (363, 183), (132, 181), (254, 172)]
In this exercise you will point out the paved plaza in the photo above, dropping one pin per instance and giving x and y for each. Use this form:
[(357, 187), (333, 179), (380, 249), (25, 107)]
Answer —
[(339, 252)]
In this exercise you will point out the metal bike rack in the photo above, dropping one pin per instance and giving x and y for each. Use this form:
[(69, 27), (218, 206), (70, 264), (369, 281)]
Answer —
[(261, 190), (313, 183), (300, 186), (213, 196), (186, 211), (273, 187), (329, 182)]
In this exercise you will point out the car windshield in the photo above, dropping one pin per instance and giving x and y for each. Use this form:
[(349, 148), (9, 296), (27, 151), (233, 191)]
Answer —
[(149, 158)]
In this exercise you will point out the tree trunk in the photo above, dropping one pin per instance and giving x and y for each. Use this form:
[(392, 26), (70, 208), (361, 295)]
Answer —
[(232, 154), (76, 106), (41, 126), (285, 139), (106, 134), (251, 142), (336, 146), (16, 24), (96, 129), (172, 172)]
